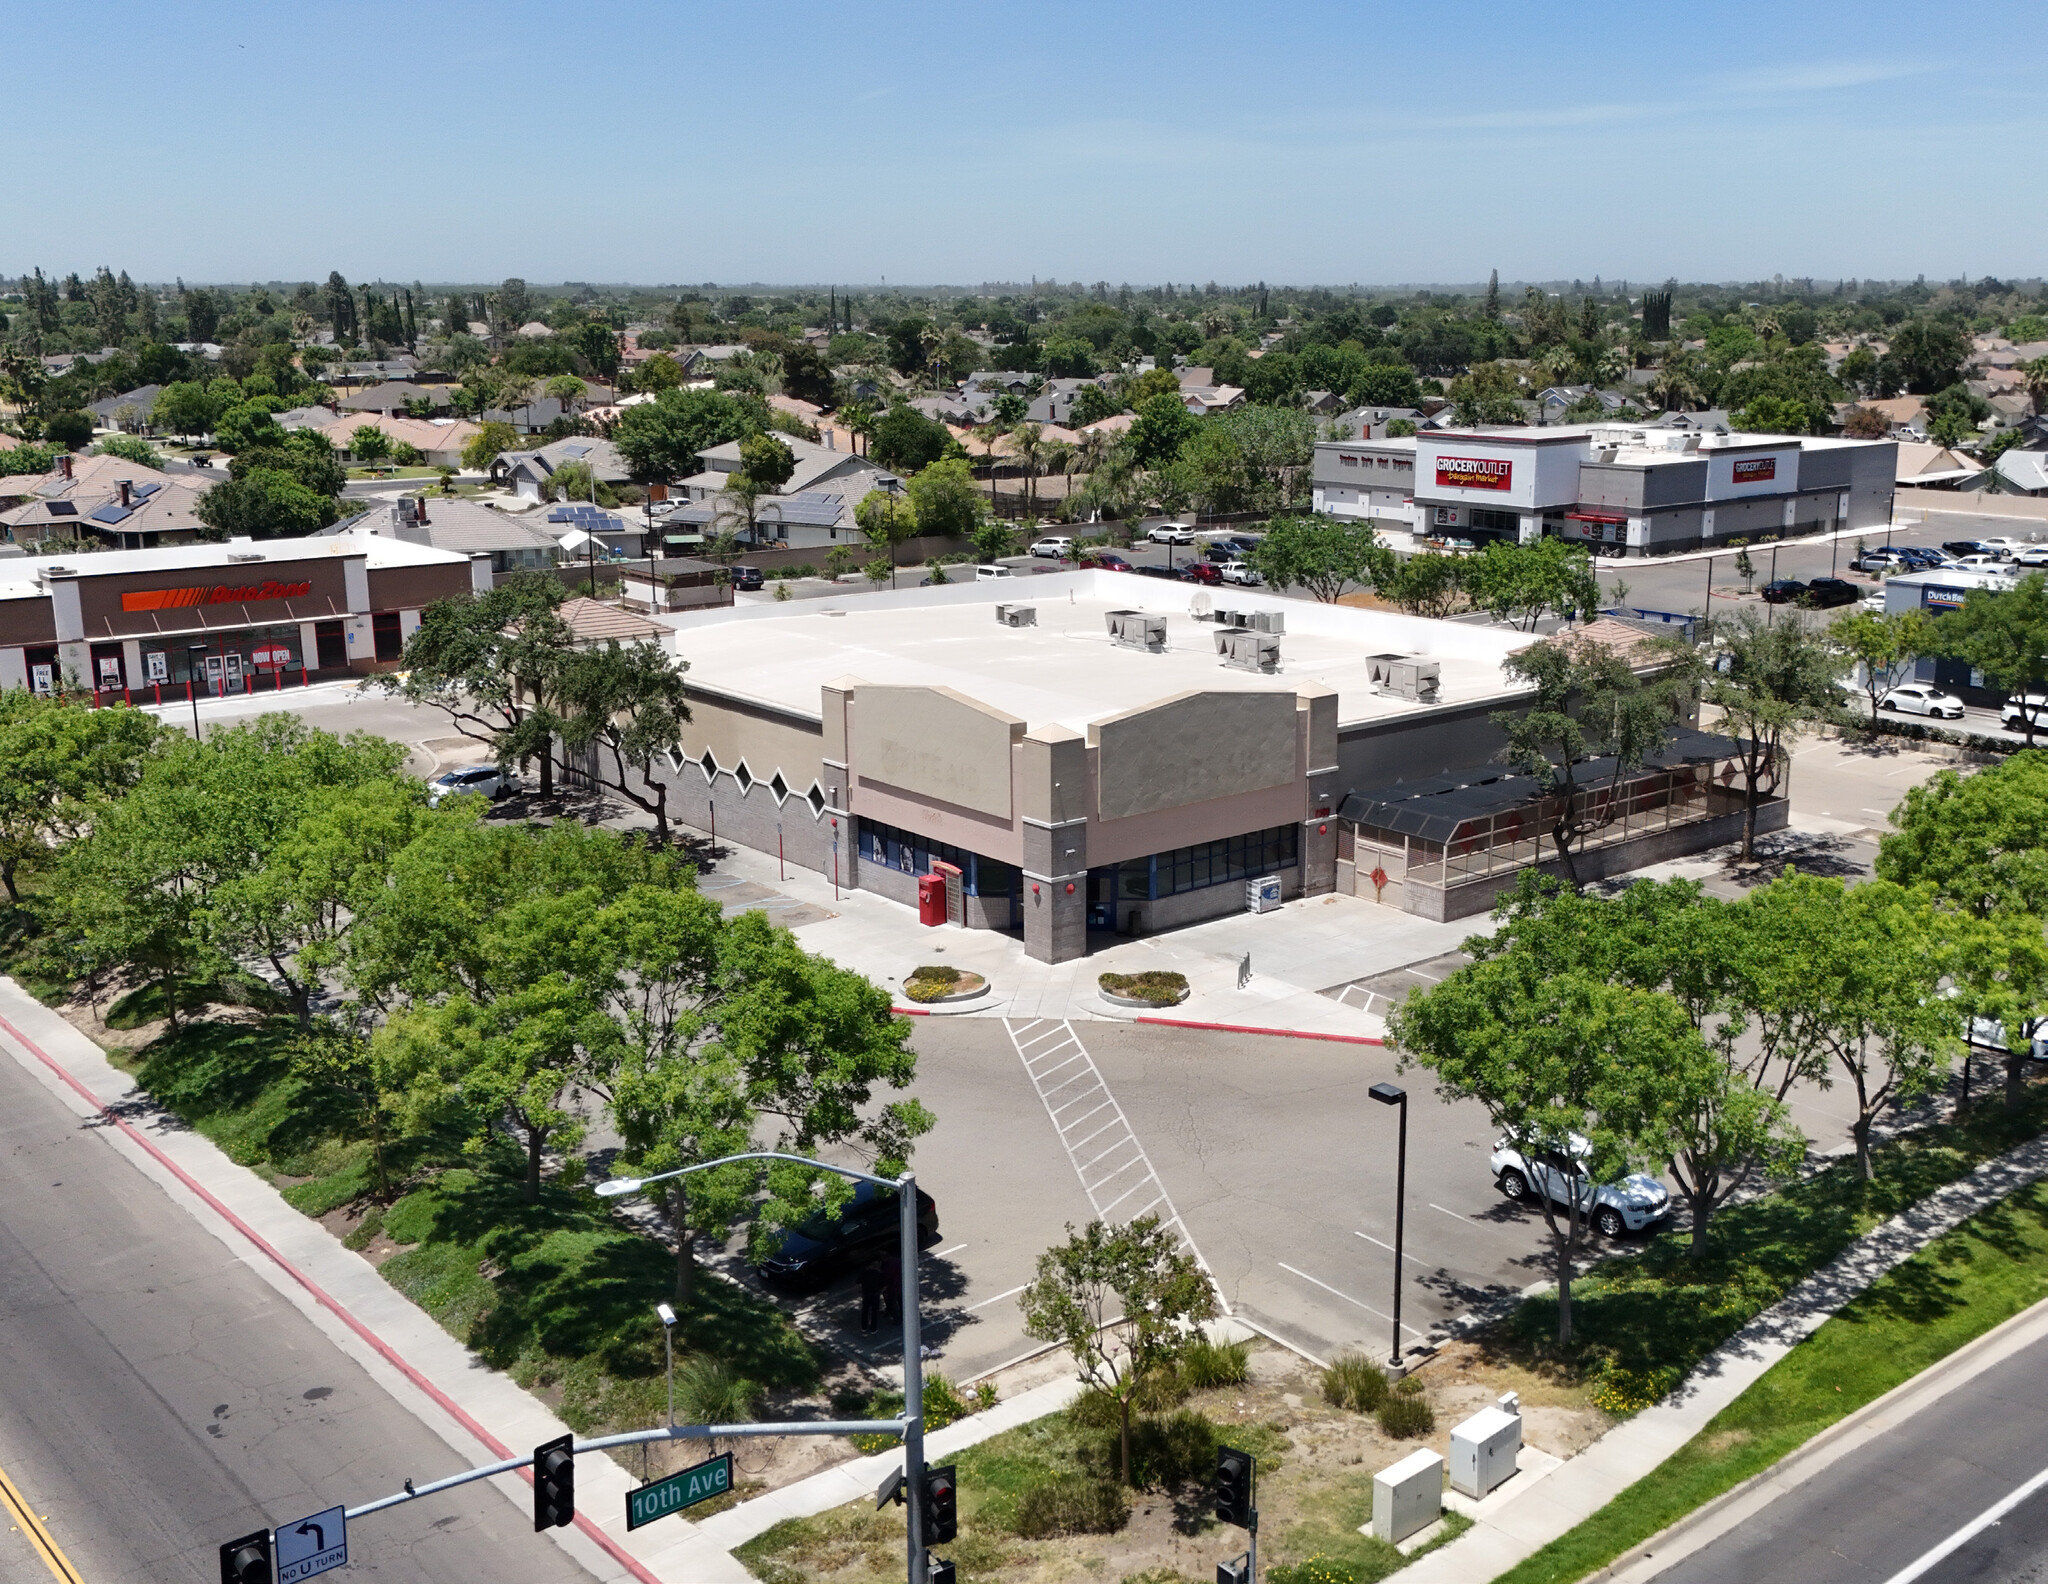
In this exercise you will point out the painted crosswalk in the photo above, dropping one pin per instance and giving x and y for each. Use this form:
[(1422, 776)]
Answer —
[(1116, 1174)]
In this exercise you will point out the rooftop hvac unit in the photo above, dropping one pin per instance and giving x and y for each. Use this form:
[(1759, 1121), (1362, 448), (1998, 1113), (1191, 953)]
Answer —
[(1136, 630), (1017, 615), (1245, 650), (1406, 678), (1274, 622)]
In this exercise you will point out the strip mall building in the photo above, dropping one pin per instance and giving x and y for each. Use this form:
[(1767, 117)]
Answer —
[(1632, 490), (236, 617)]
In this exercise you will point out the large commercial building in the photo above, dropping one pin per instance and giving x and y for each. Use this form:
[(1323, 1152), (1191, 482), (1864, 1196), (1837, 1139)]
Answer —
[(1629, 489), (1077, 752), (230, 617)]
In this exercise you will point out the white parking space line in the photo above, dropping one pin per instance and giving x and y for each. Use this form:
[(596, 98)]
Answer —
[(1453, 1214), (999, 1297), (955, 1249), (1968, 1532), (1432, 978), (1390, 1249), (1075, 1120), (1326, 1287)]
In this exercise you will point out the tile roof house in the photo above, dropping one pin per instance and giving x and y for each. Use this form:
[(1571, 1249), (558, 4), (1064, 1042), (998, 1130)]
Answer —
[(1201, 400), (390, 397), (1370, 423), (514, 543), (122, 504), (439, 441)]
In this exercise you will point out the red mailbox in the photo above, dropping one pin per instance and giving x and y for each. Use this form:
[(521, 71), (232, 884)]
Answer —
[(931, 899)]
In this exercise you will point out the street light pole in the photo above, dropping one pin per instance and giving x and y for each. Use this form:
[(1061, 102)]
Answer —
[(193, 655), (668, 1345), (1394, 1095)]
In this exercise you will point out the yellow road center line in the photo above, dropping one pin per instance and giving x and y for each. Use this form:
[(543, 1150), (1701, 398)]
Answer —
[(39, 1537)]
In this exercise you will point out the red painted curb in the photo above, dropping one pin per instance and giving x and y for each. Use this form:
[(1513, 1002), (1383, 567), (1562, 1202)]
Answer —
[(384, 1349), (911, 1011), (1244, 1028)]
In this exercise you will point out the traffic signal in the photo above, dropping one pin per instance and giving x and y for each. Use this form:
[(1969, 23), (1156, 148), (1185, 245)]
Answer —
[(1236, 1571), (554, 1484), (941, 1506), (247, 1560), (1234, 1487)]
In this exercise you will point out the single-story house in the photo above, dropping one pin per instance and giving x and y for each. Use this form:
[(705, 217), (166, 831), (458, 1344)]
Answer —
[(120, 503), (528, 472), (439, 441), (514, 543), (1201, 400), (391, 397), (2018, 472), (1926, 466), (129, 412)]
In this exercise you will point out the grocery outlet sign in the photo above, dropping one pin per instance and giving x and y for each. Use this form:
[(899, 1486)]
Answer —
[(1473, 473), (219, 594)]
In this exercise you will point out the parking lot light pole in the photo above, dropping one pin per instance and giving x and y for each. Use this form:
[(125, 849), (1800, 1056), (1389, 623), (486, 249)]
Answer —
[(667, 1316), (905, 1188), (1394, 1095)]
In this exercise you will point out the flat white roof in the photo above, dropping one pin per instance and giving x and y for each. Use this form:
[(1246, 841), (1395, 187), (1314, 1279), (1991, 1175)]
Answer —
[(1066, 670), (21, 576)]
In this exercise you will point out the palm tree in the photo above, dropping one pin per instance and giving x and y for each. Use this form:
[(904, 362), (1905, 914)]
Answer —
[(1676, 387), (1029, 449), (2036, 376), (1556, 364), (1094, 446)]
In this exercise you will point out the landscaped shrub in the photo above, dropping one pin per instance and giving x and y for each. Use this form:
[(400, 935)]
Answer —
[(1167, 1450), (942, 1405), (711, 1391), (1621, 1391), (1209, 1364), (1159, 986), (933, 982), (1071, 1504), (1354, 1381), (1316, 1570), (1406, 1414)]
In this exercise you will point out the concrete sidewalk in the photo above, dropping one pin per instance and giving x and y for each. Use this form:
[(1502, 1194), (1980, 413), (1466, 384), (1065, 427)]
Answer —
[(1514, 1524), (1296, 952)]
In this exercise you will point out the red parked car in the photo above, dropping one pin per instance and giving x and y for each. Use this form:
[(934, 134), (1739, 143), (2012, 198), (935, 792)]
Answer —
[(1202, 572), (1109, 560)]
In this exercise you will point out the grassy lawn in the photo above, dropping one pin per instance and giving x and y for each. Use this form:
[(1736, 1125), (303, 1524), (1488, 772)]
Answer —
[(559, 1294), (1957, 1288), (394, 473), (1640, 1323)]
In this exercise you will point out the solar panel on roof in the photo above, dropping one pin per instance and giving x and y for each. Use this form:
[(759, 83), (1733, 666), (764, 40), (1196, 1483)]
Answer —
[(112, 512), (558, 515), (575, 450), (144, 491), (63, 509)]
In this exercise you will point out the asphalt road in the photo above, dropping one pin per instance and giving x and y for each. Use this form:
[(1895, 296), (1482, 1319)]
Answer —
[(1882, 1508), (158, 1398)]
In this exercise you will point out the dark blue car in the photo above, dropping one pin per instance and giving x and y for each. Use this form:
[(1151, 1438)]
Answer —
[(826, 1246)]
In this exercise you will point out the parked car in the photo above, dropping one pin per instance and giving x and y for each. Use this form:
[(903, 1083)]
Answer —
[(746, 577), (1447, 542), (825, 1246), (1178, 574), (985, 574), (2032, 556), (1873, 600), (1921, 557), (1201, 572), (1922, 698), (1109, 560), (1967, 547), (1171, 534), (2017, 711), (1881, 558), (2008, 546), (1625, 1206), (1240, 572), (484, 780), (1053, 547), (1996, 565), (1823, 593), (1783, 591)]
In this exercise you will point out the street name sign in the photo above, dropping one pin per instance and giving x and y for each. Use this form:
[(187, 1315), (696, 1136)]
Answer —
[(311, 1546), (684, 1488)]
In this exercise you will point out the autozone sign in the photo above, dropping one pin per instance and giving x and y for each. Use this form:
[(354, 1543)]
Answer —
[(219, 594), (1757, 470), (1473, 473)]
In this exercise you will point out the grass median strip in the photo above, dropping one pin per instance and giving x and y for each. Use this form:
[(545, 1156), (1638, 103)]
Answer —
[(1957, 1288)]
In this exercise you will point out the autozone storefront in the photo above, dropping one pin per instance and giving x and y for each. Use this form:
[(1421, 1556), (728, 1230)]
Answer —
[(151, 625)]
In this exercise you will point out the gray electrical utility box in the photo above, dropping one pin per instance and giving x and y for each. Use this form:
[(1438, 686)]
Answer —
[(1483, 1451), (1407, 1497)]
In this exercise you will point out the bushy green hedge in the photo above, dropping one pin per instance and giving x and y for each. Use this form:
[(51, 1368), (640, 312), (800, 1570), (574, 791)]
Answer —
[(1160, 986)]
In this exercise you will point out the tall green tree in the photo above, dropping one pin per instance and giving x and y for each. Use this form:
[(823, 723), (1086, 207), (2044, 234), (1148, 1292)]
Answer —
[(2004, 634), (623, 708), (666, 438), (1981, 840), (1518, 583), (943, 499), (1325, 555), (61, 763), (1770, 681), (1884, 645), (1125, 1302), (1589, 703), (1568, 1068)]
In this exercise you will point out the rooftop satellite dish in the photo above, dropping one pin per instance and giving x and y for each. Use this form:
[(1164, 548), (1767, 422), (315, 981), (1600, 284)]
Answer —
[(1200, 606)]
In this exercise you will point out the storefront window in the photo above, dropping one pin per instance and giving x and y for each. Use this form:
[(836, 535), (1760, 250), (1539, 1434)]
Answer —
[(909, 853)]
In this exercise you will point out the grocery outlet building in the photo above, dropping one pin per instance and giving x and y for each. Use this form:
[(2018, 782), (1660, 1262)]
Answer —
[(229, 617), (1630, 489), (1087, 751)]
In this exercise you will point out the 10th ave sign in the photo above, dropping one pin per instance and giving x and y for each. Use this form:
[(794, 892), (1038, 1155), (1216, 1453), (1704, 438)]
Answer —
[(684, 1488)]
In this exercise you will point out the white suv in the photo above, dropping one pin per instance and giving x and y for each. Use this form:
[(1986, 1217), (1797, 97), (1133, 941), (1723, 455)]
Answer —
[(1056, 546), (1171, 534), (486, 780), (1626, 1206)]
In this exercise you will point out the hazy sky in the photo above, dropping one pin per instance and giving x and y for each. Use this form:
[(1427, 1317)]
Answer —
[(761, 141)]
